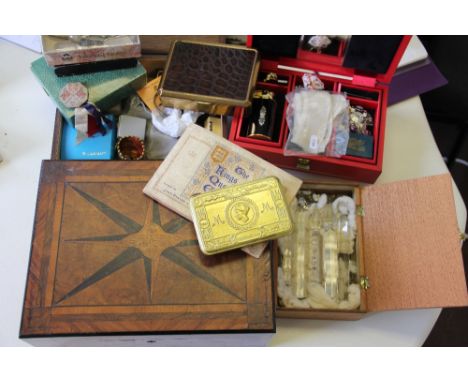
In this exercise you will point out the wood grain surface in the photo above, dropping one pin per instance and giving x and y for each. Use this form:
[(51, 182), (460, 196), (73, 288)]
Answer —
[(107, 259)]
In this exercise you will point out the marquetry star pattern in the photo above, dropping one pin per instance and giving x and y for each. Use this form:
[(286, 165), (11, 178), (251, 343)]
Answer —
[(148, 243)]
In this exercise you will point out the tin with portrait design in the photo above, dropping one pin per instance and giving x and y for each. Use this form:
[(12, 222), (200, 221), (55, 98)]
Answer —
[(240, 215)]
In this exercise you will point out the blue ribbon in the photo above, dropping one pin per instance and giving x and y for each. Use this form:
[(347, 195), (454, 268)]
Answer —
[(101, 119)]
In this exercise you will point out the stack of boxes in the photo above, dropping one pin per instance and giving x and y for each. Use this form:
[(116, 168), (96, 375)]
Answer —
[(106, 65)]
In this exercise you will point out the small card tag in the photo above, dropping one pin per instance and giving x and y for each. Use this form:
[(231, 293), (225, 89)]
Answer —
[(81, 124), (313, 143)]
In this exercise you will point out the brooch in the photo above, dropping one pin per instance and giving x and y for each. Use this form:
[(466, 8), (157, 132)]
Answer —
[(130, 148), (360, 120), (318, 43)]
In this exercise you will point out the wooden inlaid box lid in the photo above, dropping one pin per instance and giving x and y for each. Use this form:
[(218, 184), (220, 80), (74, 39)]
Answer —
[(106, 259)]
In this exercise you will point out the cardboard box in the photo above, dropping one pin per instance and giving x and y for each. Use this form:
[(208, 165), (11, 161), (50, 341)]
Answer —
[(66, 50), (338, 78)]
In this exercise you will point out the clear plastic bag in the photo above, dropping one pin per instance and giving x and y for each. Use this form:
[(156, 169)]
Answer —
[(318, 123)]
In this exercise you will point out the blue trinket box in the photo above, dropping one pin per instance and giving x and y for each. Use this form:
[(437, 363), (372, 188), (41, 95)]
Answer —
[(97, 147)]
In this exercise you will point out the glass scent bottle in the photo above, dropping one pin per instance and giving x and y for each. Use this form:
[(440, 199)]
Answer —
[(286, 258), (299, 274), (287, 266), (314, 247), (345, 236), (330, 263), (343, 280)]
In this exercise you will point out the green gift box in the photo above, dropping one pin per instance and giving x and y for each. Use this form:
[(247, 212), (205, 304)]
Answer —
[(105, 89)]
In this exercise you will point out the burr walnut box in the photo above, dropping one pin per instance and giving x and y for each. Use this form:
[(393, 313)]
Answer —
[(108, 261)]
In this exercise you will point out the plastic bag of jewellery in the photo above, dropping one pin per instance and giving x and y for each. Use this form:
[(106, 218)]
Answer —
[(317, 122), (338, 145)]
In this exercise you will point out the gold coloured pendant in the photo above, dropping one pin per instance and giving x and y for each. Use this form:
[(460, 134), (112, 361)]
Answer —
[(240, 215)]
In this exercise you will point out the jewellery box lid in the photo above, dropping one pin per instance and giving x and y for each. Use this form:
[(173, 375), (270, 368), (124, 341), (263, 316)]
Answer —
[(363, 59), (106, 259), (412, 245)]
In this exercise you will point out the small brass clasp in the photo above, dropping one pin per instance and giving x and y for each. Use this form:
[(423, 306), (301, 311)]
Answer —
[(364, 282), (360, 211), (303, 163)]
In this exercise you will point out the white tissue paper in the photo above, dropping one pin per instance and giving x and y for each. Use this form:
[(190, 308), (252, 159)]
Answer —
[(173, 122)]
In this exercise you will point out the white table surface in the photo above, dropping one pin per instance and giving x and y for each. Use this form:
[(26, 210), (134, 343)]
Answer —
[(26, 128)]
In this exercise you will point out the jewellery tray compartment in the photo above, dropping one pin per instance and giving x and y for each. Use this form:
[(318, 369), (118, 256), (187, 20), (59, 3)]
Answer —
[(407, 245), (280, 92), (350, 167), (336, 78)]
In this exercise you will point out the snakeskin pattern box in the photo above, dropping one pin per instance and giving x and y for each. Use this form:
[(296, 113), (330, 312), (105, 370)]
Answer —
[(210, 78)]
